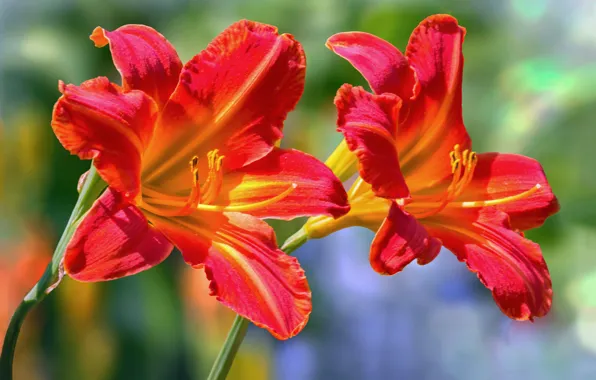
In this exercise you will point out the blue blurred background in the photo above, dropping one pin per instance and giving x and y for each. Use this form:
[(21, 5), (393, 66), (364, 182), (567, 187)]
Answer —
[(529, 87)]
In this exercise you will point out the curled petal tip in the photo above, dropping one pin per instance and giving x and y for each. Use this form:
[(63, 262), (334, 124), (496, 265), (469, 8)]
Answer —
[(82, 180), (443, 23), (439, 19), (329, 44), (61, 86), (442, 17), (98, 37), (335, 40)]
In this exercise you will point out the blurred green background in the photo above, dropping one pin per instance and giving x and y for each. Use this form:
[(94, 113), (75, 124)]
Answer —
[(529, 87)]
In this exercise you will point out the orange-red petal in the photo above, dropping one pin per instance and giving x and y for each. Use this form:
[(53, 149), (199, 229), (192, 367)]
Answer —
[(399, 241), (248, 273), (317, 190), (114, 240), (435, 53), (99, 121), (144, 58), (504, 175), (380, 63), (509, 265), (234, 96), (368, 123), (432, 123)]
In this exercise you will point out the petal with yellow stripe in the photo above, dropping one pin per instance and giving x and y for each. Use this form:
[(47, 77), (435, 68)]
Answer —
[(248, 273), (233, 96), (309, 186)]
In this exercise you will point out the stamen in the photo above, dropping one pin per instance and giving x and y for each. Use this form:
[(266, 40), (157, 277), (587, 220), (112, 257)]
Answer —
[(202, 197), (470, 164), (194, 162), (462, 167)]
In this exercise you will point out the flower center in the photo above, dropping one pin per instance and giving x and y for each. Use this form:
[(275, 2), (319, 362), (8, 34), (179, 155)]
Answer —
[(208, 192), (462, 169), (203, 197)]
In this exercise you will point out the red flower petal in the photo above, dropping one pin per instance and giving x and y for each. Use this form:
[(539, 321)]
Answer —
[(509, 265), (504, 175), (98, 121), (433, 123), (234, 96), (435, 53), (114, 240), (248, 273), (380, 63), (317, 191), (399, 241), (369, 123), (144, 58)]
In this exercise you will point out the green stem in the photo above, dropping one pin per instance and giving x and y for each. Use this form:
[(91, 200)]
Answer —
[(92, 188), (295, 241), (228, 351)]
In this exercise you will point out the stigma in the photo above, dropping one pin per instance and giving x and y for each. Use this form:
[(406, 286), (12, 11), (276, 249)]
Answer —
[(463, 164)]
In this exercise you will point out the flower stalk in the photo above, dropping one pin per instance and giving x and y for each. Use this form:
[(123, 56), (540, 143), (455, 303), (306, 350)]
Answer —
[(229, 349), (91, 189)]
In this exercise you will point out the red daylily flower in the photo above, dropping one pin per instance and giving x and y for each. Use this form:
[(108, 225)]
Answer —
[(421, 186), (189, 155)]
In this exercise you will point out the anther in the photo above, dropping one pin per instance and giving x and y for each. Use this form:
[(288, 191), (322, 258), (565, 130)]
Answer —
[(194, 162), (454, 166), (212, 186)]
